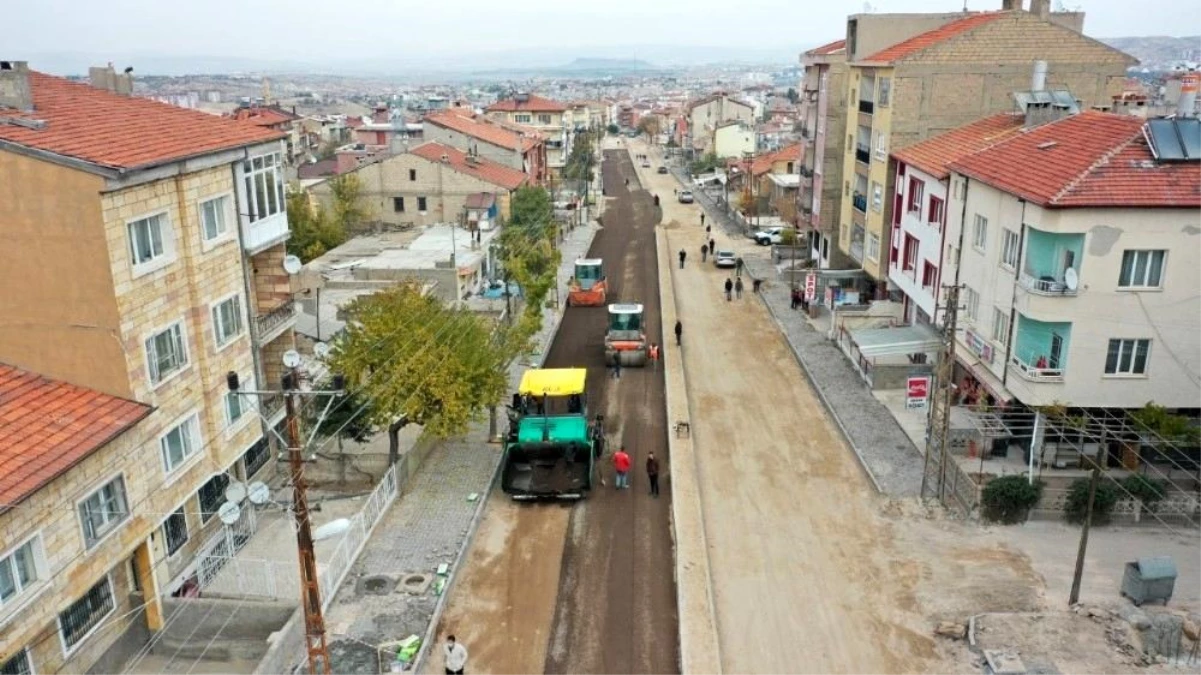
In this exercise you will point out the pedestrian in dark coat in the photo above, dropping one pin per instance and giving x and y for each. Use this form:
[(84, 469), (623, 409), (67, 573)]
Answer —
[(738, 288), (755, 283), (708, 230), (702, 217), (713, 246), (679, 332), (683, 255), (738, 267), (704, 252), (652, 473), (796, 297), (729, 289), (616, 363)]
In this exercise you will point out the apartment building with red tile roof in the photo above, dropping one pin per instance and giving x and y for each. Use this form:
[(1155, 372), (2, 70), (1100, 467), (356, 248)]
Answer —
[(501, 141), (160, 236), (550, 118), (528, 103)]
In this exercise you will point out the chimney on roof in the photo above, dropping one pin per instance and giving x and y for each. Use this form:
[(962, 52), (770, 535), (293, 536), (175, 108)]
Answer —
[(15, 91), (1038, 81), (1041, 8), (108, 79), (1010, 5), (1186, 105)]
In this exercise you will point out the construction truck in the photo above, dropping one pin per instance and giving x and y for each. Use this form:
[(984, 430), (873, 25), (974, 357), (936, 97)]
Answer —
[(626, 338), (551, 446), (588, 287)]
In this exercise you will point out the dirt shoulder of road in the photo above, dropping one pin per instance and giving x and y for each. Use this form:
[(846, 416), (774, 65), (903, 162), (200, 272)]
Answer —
[(700, 648)]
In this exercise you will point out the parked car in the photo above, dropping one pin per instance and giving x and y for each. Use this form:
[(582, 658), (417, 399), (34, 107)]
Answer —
[(685, 196), (725, 259), (662, 169), (646, 164), (768, 236)]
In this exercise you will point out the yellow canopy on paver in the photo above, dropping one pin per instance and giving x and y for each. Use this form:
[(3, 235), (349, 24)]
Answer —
[(553, 381)]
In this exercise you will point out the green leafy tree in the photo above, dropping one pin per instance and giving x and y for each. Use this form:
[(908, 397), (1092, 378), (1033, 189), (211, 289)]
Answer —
[(1147, 490), (316, 229), (420, 362), (346, 417), (348, 209), (582, 158), (1076, 506), (613, 129), (793, 97), (705, 164), (650, 125), (527, 247)]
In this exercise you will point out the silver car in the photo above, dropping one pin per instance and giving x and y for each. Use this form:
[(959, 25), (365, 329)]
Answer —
[(685, 196), (725, 259)]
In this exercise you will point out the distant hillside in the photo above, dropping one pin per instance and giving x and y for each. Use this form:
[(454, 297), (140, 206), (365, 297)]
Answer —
[(1156, 50), (606, 65)]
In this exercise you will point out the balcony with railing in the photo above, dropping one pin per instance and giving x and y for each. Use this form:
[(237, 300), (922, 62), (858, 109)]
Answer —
[(274, 321), (859, 202), (1040, 349), (863, 153), (857, 244), (1049, 284), (1035, 373), (264, 232), (1052, 263)]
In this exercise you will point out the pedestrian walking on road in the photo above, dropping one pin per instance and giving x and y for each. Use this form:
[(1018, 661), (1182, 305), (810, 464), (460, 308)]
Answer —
[(683, 255), (738, 267), (654, 356), (456, 656), (652, 473), (616, 363), (713, 246), (621, 468), (704, 251), (729, 288), (708, 231), (679, 332), (702, 218), (755, 283), (796, 298), (738, 288)]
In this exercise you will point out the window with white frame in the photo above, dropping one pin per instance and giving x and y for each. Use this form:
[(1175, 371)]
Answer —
[(180, 443), (1000, 326), (873, 246), (881, 145), (980, 232), (1127, 357), (264, 186), (214, 218), (149, 239), (1142, 269), (235, 407), (543, 119), (166, 353), (211, 495), (917, 191), (175, 531), (103, 511), (885, 92), (521, 119), (971, 303), (877, 197), (1010, 248), (227, 319), (77, 621), (21, 569), (17, 664)]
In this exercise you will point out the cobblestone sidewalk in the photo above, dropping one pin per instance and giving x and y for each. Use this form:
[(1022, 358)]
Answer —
[(427, 525)]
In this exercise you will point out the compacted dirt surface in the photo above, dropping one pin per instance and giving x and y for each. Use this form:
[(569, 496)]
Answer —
[(585, 587)]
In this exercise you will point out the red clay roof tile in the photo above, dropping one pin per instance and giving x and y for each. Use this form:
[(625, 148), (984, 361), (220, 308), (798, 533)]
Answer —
[(477, 127), (789, 153), (532, 103), (483, 169), (934, 154), (121, 132), (1092, 159), (48, 426), (828, 48), (930, 38)]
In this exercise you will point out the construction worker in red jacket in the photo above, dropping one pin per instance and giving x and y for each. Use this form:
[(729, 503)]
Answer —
[(621, 467)]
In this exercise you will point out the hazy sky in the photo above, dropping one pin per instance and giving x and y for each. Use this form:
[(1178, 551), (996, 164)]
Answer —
[(325, 29)]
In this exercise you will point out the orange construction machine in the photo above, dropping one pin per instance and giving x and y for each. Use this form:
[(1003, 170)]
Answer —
[(588, 287)]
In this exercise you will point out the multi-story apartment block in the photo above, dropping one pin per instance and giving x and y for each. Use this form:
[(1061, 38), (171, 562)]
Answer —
[(919, 214), (430, 184), (547, 116), (521, 148), (912, 76), (1076, 245), (159, 235), (823, 125), (704, 115)]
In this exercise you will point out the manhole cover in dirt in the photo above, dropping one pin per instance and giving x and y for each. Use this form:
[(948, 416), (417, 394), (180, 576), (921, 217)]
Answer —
[(376, 585), (415, 583)]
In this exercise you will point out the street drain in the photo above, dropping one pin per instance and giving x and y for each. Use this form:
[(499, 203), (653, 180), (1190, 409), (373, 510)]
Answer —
[(376, 585), (415, 584)]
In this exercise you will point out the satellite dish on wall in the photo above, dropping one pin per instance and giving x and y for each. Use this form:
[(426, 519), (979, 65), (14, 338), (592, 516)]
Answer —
[(1071, 279), (235, 492), (229, 513), (321, 350), (291, 358), (258, 493), (292, 264)]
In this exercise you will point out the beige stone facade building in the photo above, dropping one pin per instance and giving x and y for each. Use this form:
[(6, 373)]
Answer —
[(823, 126), (141, 257), (550, 118), (914, 76)]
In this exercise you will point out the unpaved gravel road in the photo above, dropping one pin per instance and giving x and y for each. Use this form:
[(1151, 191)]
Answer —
[(805, 578)]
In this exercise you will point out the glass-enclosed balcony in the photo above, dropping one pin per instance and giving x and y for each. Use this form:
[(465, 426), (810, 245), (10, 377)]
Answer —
[(1047, 261), (1040, 349)]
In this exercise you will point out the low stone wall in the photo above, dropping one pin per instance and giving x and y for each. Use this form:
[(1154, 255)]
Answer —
[(220, 630)]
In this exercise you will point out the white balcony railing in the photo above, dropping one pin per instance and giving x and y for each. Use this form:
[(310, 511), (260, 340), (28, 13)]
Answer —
[(1035, 373), (1045, 285), (264, 232)]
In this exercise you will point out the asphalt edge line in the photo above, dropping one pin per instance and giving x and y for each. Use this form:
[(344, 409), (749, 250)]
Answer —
[(693, 658), (477, 517), (846, 436)]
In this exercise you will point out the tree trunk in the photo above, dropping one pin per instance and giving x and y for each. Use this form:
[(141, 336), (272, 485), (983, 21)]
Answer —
[(492, 424), (394, 440)]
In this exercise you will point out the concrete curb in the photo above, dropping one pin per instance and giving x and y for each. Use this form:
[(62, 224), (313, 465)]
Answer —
[(700, 647), (440, 607), (822, 395)]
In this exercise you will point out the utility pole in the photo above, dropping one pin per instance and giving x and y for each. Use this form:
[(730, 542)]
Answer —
[(310, 591), (939, 422), (1088, 521)]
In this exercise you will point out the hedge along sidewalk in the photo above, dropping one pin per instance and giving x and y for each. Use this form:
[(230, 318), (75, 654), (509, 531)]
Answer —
[(884, 450)]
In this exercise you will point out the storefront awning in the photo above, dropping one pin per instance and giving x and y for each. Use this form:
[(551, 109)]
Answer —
[(876, 342), (984, 376)]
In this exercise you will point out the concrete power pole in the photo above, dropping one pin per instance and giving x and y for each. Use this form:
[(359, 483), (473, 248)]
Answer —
[(934, 471)]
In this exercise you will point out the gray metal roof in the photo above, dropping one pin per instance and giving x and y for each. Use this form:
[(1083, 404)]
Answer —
[(916, 339)]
